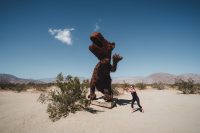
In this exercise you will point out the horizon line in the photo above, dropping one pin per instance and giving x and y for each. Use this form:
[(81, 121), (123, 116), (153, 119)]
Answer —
[(111, 76)]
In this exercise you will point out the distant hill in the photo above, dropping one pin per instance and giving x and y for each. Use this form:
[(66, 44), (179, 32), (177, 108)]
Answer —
[(153, 78), (10, 79), (158, 77)]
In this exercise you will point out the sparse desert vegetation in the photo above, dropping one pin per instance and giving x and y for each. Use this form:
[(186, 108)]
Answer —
[(24, 87), (69, 98), (187, 87), (141, 85), (159, 85)]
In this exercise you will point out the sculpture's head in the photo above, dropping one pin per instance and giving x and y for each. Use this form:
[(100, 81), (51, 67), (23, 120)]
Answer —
[(101, 48)]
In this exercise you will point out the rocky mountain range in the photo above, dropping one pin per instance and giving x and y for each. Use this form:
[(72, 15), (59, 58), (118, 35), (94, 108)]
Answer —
[(153, 78), (158, 77), (10, 79)]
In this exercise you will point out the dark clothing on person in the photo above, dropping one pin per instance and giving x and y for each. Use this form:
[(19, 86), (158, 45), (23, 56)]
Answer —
[(134, 95), (135, 98)]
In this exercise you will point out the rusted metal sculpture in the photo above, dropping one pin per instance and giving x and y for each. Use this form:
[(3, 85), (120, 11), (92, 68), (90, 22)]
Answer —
[(101, 79)]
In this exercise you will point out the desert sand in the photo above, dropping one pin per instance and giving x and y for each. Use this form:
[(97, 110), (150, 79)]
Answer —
[(166, 111)]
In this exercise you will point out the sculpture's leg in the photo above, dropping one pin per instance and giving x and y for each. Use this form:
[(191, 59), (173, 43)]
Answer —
[(92, 95), (93, 82), (108, 94)]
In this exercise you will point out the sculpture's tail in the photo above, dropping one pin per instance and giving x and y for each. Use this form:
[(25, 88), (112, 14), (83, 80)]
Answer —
[(116, 59)]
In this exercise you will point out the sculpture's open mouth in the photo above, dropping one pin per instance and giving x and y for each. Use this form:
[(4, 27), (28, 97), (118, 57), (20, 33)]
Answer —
[(97, 42), (97, 38)]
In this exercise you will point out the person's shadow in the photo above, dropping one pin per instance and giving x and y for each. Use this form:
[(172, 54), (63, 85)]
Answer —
[(137, 109), (122, 102)]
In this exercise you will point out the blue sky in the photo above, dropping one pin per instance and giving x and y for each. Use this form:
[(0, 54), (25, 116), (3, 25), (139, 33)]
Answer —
[(39, 39)]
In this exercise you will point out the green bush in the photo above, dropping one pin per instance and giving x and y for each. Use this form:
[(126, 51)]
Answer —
[(13, 87), (69, 98), (159, 85), (187, 87), (86, 83), (140, 86), (196, 89)]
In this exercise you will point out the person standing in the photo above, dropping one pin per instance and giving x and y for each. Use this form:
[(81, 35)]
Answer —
[(135, 98)]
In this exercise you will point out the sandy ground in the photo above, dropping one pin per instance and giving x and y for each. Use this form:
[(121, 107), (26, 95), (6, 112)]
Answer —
[(166, 111)]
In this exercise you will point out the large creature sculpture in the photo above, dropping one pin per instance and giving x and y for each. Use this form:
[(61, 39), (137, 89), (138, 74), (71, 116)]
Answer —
[(101, 79)]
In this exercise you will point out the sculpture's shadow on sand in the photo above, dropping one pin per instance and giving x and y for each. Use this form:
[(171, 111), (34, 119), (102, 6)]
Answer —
[(93, 111), (122, 102)]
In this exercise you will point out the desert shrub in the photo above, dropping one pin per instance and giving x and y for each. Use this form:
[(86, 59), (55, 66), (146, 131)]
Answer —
[(125, 85), (13, 87), (4, 86), (69, 98), (171, 86), (159, 85), (115, 92), (140, 86), (40, 87), (187, 87), (86, 83), (20, 87), (117, 85), (114, 89), (23, 87), (119, 89), (196, 89)]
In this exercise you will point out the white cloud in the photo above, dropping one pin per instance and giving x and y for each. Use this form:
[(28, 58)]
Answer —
[(63, 35), (96, 27)]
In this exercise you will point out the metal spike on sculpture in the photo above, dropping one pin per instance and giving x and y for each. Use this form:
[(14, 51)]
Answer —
[(101, 79)]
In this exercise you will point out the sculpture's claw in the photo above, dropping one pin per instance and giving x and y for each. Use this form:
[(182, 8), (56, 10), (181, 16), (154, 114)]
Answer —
[(108, 98), (117, 58), (92, 96)]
